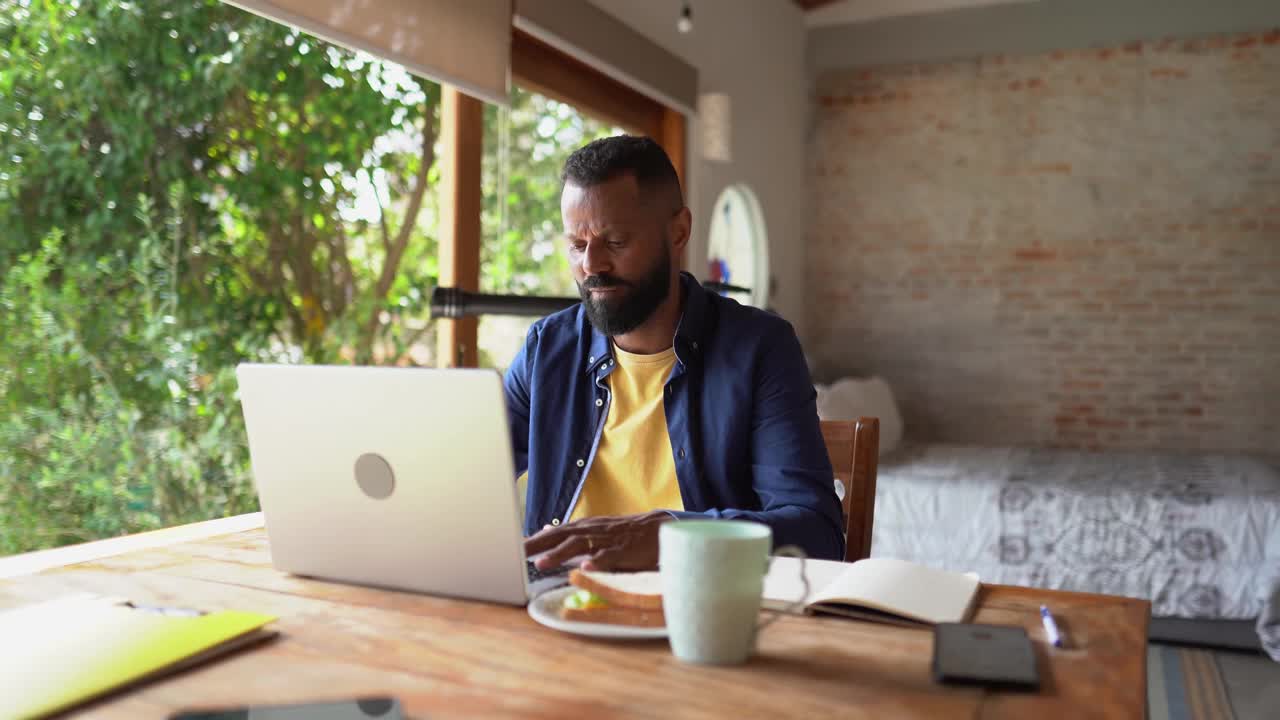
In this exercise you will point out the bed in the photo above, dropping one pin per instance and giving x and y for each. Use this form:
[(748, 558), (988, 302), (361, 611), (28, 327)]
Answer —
[(1196, 534)]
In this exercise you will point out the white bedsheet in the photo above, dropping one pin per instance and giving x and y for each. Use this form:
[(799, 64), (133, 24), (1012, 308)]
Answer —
[(1196, 534)]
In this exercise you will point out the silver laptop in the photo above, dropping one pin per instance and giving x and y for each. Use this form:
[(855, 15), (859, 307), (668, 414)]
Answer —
[(393, 477)]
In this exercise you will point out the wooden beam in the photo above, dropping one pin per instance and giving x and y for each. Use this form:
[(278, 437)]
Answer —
[(672, 139), (544, 69), (462, 140)]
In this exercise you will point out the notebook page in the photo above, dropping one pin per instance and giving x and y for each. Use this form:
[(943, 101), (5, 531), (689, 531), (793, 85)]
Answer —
[(905, 588), (782, 584)]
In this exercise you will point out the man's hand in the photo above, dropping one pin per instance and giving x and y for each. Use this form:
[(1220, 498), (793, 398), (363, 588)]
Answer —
[(629, 542)]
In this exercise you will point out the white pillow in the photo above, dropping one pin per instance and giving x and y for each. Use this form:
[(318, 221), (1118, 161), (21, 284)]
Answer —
[(852, 398)]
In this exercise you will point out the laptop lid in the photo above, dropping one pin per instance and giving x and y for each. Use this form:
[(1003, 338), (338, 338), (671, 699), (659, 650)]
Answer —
[(393, 477)]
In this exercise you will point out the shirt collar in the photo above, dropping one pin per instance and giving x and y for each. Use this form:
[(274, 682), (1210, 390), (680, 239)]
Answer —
[(690, 331)]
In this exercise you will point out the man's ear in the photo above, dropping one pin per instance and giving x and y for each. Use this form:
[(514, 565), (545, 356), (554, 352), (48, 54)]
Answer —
[(679, 229)]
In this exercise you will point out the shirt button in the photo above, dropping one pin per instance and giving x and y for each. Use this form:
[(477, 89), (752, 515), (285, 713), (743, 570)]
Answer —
[(591, 359), (599, 402), (555, 522), (695, 345), (581, 462), (681, 453)]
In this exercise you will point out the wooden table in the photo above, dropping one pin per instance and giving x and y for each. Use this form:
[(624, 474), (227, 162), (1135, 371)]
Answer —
[(451, 658)]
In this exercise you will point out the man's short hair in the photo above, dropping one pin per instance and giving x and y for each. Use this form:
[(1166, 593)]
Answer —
[(607, 158)]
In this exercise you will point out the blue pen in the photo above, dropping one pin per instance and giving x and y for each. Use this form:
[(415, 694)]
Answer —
[(1050, 627)]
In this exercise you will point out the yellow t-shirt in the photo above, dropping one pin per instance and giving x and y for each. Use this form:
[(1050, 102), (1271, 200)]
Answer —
[(633, 471)]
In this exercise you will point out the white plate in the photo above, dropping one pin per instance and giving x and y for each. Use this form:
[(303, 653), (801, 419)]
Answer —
[(545, 609)]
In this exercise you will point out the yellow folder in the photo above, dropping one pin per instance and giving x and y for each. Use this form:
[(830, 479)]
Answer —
[(57, 654)]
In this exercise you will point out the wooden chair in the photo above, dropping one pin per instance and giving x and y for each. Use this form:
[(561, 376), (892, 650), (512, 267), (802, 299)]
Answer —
[(854, 448)]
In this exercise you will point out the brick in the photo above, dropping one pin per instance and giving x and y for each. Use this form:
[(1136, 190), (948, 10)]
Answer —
[(1064, 294), (1216, 292), (1035, 254), (1116, 294), (1132, 307)]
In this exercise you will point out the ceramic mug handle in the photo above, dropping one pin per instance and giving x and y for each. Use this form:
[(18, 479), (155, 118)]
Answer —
[(795, 552)]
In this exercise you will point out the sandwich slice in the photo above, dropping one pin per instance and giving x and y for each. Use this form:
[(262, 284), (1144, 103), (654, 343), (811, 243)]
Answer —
[(615, 598)]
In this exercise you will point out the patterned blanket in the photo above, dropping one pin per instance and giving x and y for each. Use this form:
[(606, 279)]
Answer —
[(1269, 623), (1196, 534)]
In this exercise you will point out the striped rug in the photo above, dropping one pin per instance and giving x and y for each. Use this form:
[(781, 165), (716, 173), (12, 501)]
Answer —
[(1185, 684)]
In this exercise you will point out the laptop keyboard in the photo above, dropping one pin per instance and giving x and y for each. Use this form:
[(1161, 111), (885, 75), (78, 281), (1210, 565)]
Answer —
[(536, 574)]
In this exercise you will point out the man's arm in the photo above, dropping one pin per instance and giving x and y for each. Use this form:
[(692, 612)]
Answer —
[(515, 385), (791, 471)]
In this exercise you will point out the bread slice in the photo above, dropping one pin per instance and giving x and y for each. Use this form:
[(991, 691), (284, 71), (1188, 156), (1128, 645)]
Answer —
[(637, 590), (615, 616)]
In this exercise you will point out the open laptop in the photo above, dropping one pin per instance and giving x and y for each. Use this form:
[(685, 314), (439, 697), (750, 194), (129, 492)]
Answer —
[(394, 477)]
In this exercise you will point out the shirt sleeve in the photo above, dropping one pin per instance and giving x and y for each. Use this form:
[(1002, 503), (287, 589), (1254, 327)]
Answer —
[(515, 385), (791, 471)]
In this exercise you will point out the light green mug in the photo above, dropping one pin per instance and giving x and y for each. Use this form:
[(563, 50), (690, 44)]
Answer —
[(712, 583)]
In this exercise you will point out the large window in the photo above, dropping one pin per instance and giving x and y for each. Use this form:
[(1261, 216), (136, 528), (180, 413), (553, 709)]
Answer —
[(186, 186), (521, 253)]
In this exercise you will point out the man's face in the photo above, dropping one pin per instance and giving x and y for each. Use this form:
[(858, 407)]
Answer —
[(619, 246)]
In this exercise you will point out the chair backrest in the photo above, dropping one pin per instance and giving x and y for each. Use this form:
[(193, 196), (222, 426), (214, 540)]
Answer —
[(854, 449)]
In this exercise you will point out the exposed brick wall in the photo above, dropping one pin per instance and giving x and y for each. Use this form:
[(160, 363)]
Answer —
[(1079, 248)]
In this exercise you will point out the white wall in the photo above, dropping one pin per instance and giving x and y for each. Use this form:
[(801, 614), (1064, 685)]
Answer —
[(753, 50)]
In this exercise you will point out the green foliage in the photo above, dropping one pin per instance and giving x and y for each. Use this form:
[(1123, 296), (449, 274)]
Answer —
[(275, 139), (187, 186), (98, 441)]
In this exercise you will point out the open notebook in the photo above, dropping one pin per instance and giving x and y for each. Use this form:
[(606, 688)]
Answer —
[(879, 589)]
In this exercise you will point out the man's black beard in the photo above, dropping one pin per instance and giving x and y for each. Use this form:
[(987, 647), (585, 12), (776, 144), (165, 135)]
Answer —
[(622, 315)]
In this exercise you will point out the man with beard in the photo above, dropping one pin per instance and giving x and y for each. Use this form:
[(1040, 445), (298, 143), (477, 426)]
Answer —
[(655, 399)]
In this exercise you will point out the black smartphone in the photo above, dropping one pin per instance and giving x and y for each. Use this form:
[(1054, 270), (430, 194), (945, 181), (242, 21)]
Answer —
[(382, 708), (991, 655)]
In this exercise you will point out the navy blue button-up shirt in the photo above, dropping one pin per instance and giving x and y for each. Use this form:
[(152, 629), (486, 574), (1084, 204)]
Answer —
[(740, 409)]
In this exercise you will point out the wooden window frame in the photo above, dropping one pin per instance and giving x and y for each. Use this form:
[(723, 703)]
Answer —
[(462, 133)]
